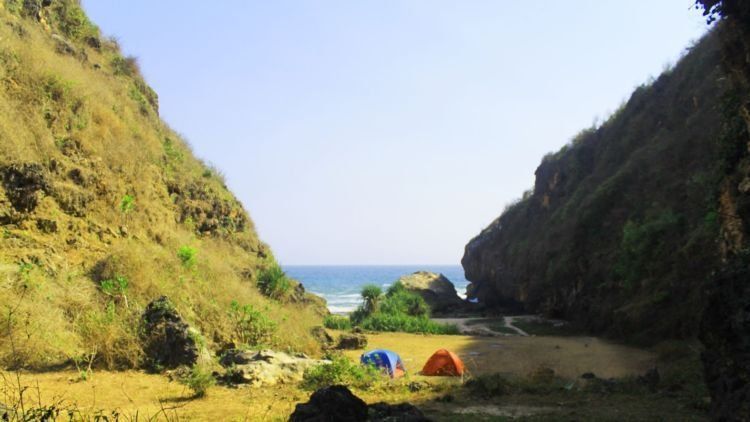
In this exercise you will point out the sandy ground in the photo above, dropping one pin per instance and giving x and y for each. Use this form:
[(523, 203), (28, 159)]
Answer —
[(147, 396)]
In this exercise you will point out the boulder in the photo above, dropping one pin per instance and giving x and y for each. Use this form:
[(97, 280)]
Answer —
[(439, 293), (265, 367), (167, 339), (331, 404), (403, 412), (353, 341), (24, 183), (338, 403)]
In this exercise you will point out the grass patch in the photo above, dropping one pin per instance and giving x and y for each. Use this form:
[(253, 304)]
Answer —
[(337, 322), (341, 371), (273, 282)]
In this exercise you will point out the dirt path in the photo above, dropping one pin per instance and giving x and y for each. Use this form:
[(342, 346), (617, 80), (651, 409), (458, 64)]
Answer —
[(480, 326)]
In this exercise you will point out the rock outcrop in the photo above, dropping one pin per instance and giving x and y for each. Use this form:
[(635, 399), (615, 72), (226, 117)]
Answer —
[(167, 339), (265, 367), (619, 231), (439, 293)]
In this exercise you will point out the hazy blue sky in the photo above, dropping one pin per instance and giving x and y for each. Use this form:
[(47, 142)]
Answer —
[(383, 131)]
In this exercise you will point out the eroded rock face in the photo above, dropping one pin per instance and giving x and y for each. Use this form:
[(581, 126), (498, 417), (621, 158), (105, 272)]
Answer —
[(167, 342), (265, 367), (439, 293), (24, 183)]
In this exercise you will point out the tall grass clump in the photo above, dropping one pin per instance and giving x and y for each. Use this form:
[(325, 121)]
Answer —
[(337, 322), (273, 282), (340, 371), (251, 326)]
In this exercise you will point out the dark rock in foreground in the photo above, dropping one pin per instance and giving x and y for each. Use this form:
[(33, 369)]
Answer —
[(338, 403), (167, 342)]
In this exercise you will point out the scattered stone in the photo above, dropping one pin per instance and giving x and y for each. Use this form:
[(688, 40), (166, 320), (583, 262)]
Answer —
[(588, 375), (46, 226), (167, 342), (352, 341), (321, 336), (331, 404), (265, 367), (439, 293)]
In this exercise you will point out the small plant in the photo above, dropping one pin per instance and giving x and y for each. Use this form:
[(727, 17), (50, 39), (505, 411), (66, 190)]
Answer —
[(251, 326), (199, 380), (187, 256), (127, 204), (371, 295), (337, 322), (273, 282), (115, 288), (341, 371)]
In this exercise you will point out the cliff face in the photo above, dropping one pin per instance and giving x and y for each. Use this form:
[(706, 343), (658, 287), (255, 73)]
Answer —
[(620, 231), (103, 207)]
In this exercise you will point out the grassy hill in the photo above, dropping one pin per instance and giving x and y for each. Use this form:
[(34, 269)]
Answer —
[(104, 208), (622, 227)]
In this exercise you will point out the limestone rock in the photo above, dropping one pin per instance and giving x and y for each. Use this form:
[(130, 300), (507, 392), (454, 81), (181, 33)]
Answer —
[(167, 342), (265, 367), (321, 335), (352, 341), (439, 293)]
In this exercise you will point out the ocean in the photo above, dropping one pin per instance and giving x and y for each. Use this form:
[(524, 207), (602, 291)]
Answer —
[(341, 285)]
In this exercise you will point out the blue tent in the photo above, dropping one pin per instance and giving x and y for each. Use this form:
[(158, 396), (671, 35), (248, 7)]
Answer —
[(384, 359)]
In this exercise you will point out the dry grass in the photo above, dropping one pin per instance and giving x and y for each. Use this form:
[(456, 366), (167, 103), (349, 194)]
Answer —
[(87, 124)]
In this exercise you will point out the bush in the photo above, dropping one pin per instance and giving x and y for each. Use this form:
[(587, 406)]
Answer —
[(341, 371), (273, 282), (337, 322), (127, 204), (199, 380), (187, 256), (251, 327), (407, 324), (399, 310)]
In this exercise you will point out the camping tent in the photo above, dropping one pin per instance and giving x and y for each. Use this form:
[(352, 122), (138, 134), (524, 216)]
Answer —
[(443, 362), (384, 359)]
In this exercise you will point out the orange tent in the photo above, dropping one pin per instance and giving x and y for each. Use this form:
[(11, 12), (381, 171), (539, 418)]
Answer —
[(443, 362)]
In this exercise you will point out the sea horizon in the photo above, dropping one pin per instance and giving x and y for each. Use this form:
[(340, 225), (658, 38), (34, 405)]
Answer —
[(340, 284)]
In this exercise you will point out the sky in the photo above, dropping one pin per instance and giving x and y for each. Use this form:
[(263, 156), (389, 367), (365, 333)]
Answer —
[(388, 131)]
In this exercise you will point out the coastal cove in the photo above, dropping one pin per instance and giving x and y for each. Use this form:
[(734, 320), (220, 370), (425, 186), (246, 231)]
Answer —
[(341, 285)]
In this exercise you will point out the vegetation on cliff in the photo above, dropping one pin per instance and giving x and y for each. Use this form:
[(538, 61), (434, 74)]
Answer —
[(104, 208), (619, 233)]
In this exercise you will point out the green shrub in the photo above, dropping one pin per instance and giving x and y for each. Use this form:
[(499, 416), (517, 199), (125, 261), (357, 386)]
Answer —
[(127, 204), (251, 327), (115, 287), (187, 256), (337, 322), (341, 371), (199, 380), (399, 310), (273, 283), (125, 66), (407, 324)]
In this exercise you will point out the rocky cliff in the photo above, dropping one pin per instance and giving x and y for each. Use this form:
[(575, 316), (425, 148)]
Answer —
[(621, 228), (104, 208)]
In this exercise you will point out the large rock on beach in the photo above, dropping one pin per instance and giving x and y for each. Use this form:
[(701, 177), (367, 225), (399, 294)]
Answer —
[(439, 293), (265, 367)]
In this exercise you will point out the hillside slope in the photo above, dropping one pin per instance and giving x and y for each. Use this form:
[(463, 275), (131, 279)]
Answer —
[(620, 231), (103, 208)]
